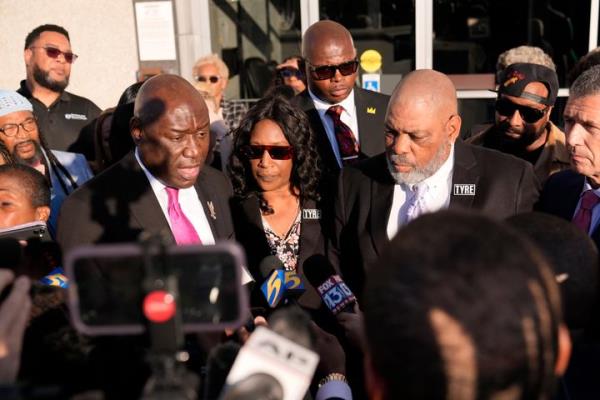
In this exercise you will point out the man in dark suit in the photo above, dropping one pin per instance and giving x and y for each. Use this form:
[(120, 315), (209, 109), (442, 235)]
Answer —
[(163, 186), (574, 194), (346, 119), (424, 169)]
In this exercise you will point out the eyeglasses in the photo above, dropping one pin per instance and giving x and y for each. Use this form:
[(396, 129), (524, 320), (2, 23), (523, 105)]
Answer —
[(328, 71), (11, 130), (53, 52), (530, 115), (211, 79), (254, 152), (289, 72)]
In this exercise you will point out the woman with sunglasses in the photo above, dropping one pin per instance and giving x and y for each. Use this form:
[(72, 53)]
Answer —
[(275, 173), (291, 73)]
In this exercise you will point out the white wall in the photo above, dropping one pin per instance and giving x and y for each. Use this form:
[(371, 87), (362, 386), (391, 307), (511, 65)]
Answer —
[(102, 34)]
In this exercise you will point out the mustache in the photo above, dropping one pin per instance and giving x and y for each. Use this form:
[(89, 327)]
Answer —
[(400, 159)]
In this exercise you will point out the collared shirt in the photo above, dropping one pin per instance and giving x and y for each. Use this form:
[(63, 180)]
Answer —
[(436, 197), (348, 117), (188, 200), (595, 210), (63, 120)]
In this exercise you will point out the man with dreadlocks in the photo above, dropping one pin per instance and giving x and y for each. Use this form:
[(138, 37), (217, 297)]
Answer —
[(26, 145)]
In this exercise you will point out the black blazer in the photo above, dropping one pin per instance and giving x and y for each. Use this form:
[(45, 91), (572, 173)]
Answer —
[(370, 115), (504, 185), (117, 205), (249, 232), (560, 196)]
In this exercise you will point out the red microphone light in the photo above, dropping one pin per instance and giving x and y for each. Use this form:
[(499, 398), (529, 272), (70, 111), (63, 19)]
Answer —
[(159, 306)]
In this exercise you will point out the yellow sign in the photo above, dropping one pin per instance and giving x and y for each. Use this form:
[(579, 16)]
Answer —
[(370, 60)]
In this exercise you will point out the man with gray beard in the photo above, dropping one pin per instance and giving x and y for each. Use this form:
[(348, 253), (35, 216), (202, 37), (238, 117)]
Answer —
[(423, 169), (62, 116)]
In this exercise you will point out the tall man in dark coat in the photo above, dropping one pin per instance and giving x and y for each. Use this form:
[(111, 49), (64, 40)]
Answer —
[(346, 119), (424, 169), (163, 186)]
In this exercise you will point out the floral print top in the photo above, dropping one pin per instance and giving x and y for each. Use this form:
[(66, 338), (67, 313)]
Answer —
[(285, 248)]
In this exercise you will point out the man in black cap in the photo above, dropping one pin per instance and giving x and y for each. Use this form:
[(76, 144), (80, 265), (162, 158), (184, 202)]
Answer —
[(526, 96)]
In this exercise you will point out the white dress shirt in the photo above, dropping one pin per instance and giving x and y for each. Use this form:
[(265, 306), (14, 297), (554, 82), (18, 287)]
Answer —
[(188, 200), (348, 117), (437, 195), (595, 210)]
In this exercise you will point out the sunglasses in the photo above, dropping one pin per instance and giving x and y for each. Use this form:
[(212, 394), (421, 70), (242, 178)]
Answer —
[(253, 152), (211, 79), (530, 115), (53, 52), (289, 72), (328, 71)]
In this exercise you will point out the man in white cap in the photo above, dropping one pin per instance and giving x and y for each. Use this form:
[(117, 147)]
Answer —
[(26, 145)]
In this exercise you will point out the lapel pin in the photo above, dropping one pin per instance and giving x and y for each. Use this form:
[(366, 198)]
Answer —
[(463, 189), (311, 213), (211, 209), (371, 110)]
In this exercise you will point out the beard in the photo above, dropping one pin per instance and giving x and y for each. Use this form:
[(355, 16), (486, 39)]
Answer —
[(43, 79), (37, 157), (418, 174), (526, 137)]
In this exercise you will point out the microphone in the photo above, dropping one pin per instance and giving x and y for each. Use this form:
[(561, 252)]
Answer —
[(279, 284), (334, 292), (273, 287)]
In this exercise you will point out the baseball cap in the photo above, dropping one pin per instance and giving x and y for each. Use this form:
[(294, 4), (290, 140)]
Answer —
[(516, 76), (11, 102)]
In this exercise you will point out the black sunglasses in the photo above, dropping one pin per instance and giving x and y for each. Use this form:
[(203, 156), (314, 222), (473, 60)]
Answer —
[(328, 71), (53, 52), (289, 72), (211, 79), (530, 115), (254, 152)]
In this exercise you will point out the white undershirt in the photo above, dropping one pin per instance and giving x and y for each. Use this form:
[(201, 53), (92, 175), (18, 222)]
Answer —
[(348, 117), (595, 210), (436, 197), (188, 200)]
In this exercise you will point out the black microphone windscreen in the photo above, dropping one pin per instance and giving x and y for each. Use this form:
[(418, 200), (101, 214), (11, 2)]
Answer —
[(10, 253), (317, 269), (268, 264)]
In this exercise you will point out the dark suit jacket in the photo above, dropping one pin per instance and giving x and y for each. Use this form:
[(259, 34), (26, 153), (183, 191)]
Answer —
[(249, 232), (504, 185), (370, 115), (119, 204), (560, 197)]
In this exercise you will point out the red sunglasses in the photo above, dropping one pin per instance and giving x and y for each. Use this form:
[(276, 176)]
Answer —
[(253, 152), (53, 52)]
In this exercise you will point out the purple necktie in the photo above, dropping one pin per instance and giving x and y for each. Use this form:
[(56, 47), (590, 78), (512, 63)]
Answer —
[(349, 149), (182, 228), (583, 216)]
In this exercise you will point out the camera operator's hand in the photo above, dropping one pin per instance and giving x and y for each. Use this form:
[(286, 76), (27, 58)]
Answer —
[(14, 313), (353, 326), (331, 353)]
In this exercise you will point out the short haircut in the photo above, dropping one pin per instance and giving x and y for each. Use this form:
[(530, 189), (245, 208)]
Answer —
[(573, 257), (524, 54), (587, 84), (31, 180), (214, 60), (585, 62), (35, 34), (460, 306)]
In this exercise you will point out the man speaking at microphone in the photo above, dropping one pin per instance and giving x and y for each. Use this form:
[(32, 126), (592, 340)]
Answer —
[(163, 185)]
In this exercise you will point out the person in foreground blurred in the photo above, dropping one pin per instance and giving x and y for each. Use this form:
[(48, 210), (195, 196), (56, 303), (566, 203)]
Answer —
[(275, 175), (446, 320)]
